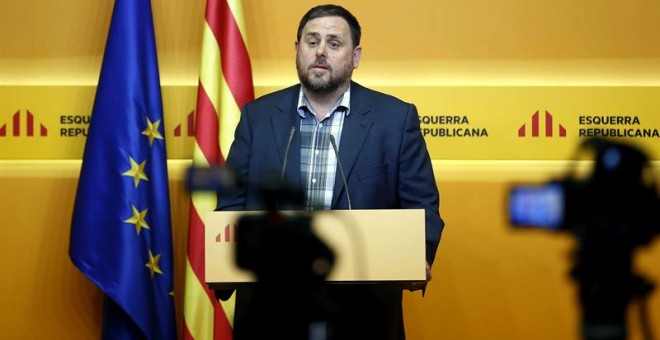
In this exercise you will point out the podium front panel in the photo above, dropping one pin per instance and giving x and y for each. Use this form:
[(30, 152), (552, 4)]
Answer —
[(370, 246)]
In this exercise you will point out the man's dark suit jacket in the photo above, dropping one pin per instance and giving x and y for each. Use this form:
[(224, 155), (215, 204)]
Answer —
[(387, 166)]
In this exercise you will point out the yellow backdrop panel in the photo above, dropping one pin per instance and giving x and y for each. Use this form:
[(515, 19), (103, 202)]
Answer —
[(459, 122)]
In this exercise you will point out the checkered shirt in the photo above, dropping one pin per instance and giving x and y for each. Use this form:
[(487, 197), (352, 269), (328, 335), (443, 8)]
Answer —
[(318, 163)]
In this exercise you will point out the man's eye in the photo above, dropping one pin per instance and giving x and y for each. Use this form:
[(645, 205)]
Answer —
[(312, 43)]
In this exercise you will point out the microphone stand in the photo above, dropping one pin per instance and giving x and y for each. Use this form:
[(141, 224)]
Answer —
[(341, 171)]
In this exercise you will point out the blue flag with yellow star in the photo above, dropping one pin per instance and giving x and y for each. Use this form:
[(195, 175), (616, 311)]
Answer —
[(121, 236)]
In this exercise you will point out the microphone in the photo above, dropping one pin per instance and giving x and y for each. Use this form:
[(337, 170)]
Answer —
[(341, 170), (286, 152)]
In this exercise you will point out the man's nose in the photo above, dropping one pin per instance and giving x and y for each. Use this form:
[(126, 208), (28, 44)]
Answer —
[(321, 50)]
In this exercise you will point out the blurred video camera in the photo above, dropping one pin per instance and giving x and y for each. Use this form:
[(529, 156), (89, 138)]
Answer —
[(277, 247), (611, 213), (618, 194)]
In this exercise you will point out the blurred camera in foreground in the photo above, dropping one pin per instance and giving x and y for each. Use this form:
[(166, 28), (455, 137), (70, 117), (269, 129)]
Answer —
[(611, 213), (619, 193)]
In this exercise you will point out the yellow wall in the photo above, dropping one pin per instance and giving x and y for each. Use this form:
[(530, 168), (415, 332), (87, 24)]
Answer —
[(490, 282), (62, 42)]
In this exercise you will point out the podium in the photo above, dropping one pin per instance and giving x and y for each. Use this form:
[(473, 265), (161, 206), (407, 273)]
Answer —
[(370, 246)]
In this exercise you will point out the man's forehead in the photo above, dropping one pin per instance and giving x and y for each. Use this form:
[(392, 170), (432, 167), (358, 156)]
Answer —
[(334, 25)]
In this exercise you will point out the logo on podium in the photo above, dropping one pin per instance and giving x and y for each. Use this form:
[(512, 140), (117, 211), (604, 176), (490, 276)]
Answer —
[(226, 235)]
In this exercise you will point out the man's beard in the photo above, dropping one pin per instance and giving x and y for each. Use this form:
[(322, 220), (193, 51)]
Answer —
[(319, 86)]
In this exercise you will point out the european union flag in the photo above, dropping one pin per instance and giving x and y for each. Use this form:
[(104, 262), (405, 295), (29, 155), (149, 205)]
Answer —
[(121, 236)]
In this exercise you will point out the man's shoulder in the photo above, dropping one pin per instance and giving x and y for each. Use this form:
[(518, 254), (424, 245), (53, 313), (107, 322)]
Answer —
[(376, 98), (275, 97)]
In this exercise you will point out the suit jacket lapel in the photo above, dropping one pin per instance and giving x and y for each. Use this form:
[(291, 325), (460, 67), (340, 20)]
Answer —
[(354, 133), (282, 121)]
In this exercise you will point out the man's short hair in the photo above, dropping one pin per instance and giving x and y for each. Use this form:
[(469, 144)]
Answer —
[(331, 11)]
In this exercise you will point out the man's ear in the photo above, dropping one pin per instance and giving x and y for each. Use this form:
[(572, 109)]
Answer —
[(357, 55)]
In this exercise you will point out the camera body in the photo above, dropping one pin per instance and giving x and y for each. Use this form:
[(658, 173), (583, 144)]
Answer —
[(615, 198), (278, 247), (282, 248)]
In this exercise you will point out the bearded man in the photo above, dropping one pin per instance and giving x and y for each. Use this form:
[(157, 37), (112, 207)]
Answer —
[(386, 163)]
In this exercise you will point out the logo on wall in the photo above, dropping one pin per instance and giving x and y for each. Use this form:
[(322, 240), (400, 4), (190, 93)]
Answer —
[(549, 127), (190, 126), (15, 126)]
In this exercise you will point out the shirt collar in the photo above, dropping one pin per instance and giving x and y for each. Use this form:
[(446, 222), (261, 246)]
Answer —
[(344, 103)]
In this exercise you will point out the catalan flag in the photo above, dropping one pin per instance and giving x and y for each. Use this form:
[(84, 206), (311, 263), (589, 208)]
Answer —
[(121, 236), (225, 85)]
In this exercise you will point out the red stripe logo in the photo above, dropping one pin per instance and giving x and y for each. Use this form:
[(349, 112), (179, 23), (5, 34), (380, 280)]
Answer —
[(16, 125), (536, 127)]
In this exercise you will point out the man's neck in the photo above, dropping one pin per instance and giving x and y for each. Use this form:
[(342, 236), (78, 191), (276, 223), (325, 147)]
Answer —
[(323, 103)]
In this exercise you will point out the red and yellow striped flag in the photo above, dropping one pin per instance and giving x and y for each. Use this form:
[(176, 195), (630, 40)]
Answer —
[(225, 85)]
